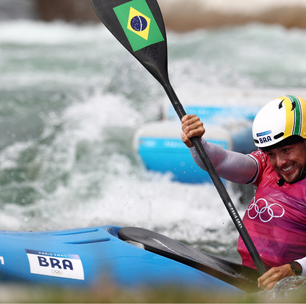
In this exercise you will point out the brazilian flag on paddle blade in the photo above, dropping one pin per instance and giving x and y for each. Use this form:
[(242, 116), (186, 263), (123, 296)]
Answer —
[(138, 24)]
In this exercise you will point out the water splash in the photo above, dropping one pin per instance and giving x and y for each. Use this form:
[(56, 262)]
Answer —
[(72, 98), (289, 290)]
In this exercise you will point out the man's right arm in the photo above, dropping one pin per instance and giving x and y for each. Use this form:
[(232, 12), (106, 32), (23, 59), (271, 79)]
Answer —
[(230, 165), (233, 166)]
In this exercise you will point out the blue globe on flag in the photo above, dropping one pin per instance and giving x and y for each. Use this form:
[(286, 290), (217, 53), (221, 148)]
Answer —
[(139, 23)]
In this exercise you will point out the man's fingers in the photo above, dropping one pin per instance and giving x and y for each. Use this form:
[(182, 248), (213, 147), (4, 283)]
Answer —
[(272, 276), (186, 140), (191, 127)]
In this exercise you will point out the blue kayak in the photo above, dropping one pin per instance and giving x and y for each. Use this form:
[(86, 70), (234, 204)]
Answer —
[(128, 257)]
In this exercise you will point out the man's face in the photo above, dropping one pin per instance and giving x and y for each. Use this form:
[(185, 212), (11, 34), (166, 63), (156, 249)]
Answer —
[(289, 161)]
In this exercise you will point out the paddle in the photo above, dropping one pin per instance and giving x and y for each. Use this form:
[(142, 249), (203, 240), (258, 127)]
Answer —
[(138, 25)]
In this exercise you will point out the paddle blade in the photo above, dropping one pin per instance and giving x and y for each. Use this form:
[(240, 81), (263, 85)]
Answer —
[(138, 25)]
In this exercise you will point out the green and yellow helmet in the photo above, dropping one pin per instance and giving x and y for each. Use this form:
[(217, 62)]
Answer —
[(278, 120)]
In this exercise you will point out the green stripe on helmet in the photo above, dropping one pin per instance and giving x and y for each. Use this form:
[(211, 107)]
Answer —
[(297, 115)]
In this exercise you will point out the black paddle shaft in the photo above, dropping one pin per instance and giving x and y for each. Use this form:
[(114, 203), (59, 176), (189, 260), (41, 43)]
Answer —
[(154, 58)]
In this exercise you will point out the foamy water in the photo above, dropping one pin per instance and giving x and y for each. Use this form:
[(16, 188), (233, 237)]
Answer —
[(72, 98)]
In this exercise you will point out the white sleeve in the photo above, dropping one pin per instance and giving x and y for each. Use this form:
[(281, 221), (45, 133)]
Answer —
[(233, 166), (302, 262)]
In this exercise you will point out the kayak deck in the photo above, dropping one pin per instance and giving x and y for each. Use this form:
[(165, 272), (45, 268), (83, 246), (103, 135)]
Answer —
[(86, 257), (243, 277)]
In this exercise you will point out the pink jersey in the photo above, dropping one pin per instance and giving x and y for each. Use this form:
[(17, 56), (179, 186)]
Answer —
[(275, 218)]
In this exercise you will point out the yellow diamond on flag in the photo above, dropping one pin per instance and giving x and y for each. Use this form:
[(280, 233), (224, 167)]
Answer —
[(139, 24)]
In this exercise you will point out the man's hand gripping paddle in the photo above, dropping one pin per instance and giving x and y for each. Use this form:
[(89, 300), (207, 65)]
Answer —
[(138, 25)]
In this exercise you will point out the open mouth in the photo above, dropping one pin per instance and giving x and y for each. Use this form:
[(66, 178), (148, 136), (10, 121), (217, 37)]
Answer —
[(287, 169)]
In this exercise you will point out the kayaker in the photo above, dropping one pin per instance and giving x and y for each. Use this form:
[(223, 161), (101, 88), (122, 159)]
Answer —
[(276, 216)]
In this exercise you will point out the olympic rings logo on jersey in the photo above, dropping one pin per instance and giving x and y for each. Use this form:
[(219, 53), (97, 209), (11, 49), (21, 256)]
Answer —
[(264, 211)]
